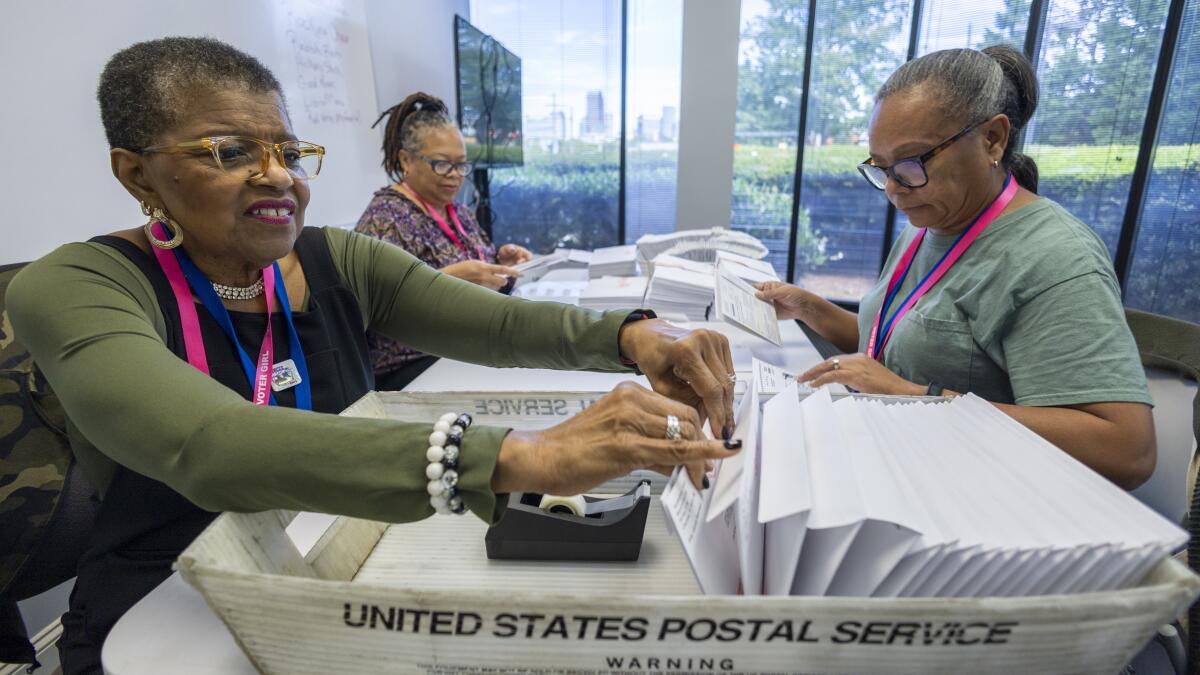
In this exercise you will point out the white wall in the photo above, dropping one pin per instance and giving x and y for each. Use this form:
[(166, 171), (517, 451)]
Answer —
[(412, 48), (707, 109), (55, 182)]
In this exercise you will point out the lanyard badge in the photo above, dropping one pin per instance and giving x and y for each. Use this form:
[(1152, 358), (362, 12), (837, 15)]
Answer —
[(437, 218), (881, 330), (263, 374)]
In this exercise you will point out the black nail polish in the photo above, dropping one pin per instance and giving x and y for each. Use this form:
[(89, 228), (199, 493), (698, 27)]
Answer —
[(704, 482), (733, 445), (726, 432)]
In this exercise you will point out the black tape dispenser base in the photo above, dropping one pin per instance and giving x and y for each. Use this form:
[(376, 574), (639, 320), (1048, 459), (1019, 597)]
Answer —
[(609, 529)]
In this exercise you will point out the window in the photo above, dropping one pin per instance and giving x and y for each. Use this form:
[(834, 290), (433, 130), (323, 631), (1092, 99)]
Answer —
[(769, 90), (567, 192), (856, 46), (946, 24), (654, 70), (949, 24), (1163, 275), (1096, 69)]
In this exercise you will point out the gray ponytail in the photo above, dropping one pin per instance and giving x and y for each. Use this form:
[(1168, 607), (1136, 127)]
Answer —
[(976, 85)]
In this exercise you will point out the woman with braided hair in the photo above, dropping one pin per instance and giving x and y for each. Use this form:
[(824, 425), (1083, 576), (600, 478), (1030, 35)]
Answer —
[(424, 155)]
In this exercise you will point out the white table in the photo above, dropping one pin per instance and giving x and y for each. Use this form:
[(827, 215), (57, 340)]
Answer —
[(172, 630)]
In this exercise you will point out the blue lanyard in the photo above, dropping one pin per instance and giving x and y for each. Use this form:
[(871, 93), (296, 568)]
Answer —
[(891, 295), (203, 289)]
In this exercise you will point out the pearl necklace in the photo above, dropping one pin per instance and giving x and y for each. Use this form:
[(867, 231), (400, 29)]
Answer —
[(237, 292)]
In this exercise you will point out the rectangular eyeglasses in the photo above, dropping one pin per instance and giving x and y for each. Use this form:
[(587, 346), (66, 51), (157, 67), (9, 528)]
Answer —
[(909, 172), (250, 158)]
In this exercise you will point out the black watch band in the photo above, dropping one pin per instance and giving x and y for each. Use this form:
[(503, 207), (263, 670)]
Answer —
[(635, 315), (934, 389)]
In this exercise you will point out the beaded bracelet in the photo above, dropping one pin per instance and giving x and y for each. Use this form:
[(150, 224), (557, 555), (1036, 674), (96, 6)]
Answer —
[(442, 472)]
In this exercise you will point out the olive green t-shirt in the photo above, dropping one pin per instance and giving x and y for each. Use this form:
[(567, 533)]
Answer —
[(93, 324), (1030, 314)]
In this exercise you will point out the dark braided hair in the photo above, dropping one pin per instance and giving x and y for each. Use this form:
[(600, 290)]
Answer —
[(406, 122), (145, 87)]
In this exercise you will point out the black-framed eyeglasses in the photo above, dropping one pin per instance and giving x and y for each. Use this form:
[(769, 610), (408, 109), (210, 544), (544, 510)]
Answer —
[(910, 171), (444, 167)]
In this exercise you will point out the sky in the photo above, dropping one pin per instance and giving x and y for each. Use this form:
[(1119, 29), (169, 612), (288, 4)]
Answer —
[(569, 48)]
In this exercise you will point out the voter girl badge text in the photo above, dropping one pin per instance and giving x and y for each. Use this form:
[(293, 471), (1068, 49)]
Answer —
[(284, 375)]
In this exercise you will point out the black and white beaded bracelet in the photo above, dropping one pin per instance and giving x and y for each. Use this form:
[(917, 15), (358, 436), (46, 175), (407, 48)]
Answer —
[(444, 447)]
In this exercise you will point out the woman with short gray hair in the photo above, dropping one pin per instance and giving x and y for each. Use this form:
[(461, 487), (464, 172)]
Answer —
[(146, 335), (994, 290)]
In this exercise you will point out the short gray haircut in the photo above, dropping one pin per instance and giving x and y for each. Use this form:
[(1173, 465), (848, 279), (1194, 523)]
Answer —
[(145, 88), (973, 85)]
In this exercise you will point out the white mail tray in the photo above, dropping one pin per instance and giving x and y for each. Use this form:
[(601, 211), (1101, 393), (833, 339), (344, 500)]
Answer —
[(423, 598)]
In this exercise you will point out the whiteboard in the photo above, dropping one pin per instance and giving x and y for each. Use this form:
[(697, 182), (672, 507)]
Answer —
[(55, 179)]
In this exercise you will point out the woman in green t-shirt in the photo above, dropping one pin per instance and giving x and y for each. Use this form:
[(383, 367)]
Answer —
[(993, 290)]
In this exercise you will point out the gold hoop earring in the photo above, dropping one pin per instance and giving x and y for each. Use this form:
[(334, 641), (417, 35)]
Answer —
[(158, 216)]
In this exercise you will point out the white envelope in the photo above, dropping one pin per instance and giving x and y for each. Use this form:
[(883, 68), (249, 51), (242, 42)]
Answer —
[(785, 496), (945, 496), (1111, 516), (727, 484), (751, 534), (849, 549), (734, 302), (711, 547), (893, 524), (1006, 515), (906, 500), (748, 269)]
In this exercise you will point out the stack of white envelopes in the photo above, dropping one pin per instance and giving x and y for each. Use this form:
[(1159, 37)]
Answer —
[(747, 269), (613, 261), (681, 289), (561, 259), (907, 498), (605, 293)]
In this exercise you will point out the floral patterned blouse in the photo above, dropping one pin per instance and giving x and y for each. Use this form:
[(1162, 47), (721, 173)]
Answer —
[(393, 217)]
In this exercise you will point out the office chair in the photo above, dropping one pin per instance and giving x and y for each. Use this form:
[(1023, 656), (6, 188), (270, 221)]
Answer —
[(1170, 352), (46, 523)]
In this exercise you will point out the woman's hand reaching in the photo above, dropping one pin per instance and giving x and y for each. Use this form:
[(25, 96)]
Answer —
[(861, 373), (513, 254), (791, 302), (481, 273), (692, 366), (625, 430)]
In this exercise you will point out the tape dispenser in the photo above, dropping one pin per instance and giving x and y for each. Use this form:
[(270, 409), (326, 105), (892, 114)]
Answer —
[(579, 528)]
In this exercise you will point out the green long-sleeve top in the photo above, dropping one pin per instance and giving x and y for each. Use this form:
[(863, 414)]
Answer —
[(93, 324)]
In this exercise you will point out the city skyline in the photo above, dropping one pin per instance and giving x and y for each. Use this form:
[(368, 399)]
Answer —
[(569, 52)]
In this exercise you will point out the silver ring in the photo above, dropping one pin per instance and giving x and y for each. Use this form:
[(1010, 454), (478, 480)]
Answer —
[(674, 433), (837, 364), (732, 377)]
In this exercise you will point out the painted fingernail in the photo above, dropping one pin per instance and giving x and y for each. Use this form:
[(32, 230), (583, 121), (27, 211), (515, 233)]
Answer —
[(733, 445), (726, 432), (704, 482)]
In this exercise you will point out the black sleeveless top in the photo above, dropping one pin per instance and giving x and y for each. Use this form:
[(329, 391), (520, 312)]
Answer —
[(143, 524)]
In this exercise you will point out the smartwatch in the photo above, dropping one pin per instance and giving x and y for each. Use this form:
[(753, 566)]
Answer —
[(635, 315), (934, 389)]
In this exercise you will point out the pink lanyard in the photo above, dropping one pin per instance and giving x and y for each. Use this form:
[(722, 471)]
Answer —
[(939, 270), (437, 218), (192, 339)]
